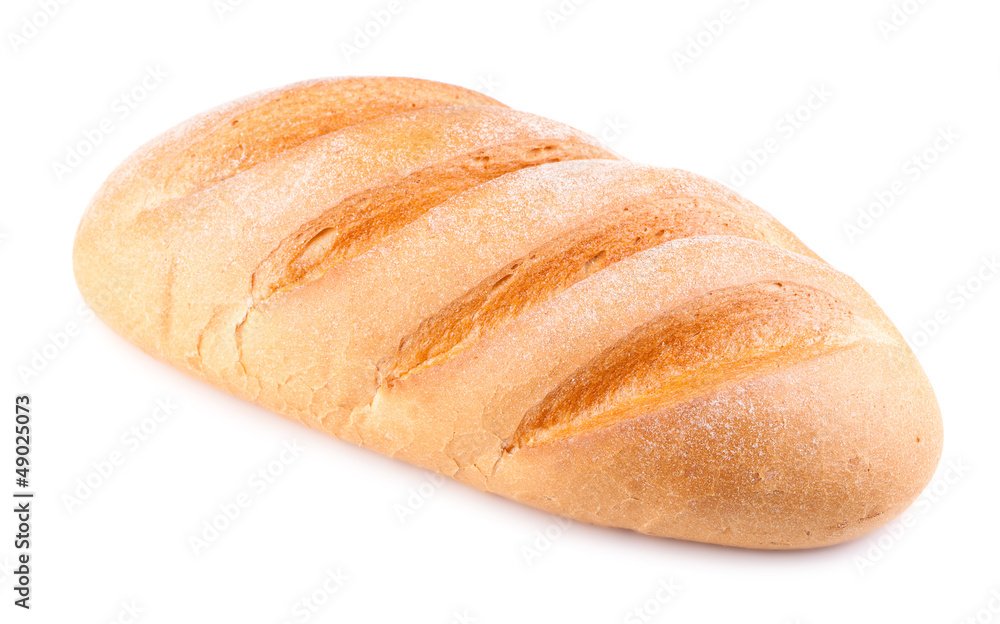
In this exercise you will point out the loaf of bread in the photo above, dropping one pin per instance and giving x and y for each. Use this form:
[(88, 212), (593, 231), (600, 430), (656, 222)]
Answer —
[(418, 269)]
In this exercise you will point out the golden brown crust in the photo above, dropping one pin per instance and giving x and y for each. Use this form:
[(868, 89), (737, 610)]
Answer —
[(719, 338), (498, 297), (354, 225), (640, 222), (814, 454), (217, 234), (239, 135)]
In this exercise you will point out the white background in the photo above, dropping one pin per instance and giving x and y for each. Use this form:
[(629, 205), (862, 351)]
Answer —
[(464, 555)]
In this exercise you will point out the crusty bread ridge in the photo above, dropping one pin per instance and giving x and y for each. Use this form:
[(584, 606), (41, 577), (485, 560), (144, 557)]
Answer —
[(418, 269)]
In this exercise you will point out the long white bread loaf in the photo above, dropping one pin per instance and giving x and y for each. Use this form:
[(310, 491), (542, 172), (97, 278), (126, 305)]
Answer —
[(497, 297)]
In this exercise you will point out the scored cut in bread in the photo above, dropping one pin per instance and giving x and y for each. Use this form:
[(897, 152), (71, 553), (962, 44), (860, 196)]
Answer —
[(415, 268)]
